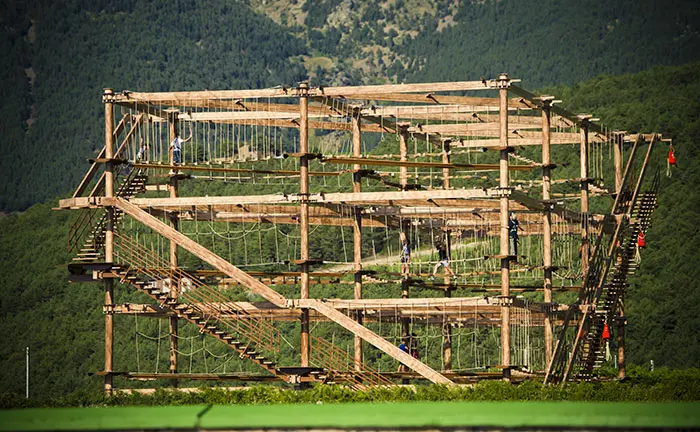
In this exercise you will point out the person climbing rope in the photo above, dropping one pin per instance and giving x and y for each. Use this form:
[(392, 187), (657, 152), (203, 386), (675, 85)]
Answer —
[(513, 227), (405, 258), (443, 261)]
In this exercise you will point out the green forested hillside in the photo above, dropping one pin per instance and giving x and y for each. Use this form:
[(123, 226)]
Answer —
[(63, 323), (557, 42), (76, 48), (57, 56)]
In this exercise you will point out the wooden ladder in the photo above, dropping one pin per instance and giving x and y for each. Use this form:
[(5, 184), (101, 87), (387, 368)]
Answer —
[(88, 222), (576, 355)]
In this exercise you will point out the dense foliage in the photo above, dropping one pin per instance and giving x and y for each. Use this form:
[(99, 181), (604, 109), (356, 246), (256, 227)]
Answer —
[(642, 386), (554, 42)]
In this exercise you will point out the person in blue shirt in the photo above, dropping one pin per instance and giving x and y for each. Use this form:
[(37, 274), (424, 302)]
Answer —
[(403, 347), (405, 258)]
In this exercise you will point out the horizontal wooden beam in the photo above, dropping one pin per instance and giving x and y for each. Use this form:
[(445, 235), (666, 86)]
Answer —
[(513, 141), (455, 111), (350, 91), (184, 97), (211, 168), (147, 376), (232, 116), (423, 313), (278, 219), (389, 162), (294, 124), (145, 108), (376, 198), (436, 198)]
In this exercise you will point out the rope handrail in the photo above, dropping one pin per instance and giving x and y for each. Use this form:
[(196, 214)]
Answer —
[(199, 296), (330, 356)]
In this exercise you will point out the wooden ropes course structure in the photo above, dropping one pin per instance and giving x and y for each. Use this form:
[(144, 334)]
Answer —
[(300, 230)]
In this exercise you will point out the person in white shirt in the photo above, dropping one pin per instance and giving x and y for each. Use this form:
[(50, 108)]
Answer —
[(176, 148), (142, 153)]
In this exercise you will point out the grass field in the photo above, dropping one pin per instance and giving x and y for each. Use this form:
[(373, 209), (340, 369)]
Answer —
[(577, 415)]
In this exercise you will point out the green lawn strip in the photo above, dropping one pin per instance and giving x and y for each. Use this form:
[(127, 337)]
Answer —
[(99, 418), (419, 414), (357, 415)]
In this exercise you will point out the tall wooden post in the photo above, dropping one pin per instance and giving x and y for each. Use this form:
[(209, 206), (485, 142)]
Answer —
[(618, 141), (585, 246), (304, 217), (109, 239), (403, 179), (503, 83), (446, 160), (357, 229), (403, 155), (547, 224), (446, 327), (174, 281), (621, 320), (405, 323)]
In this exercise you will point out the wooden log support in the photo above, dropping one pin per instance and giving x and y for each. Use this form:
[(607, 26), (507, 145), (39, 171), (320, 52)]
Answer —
[(174, 223), (618, 142), (621, 323), (357, 231), (547, 226), (304, 342), (503, 84), (585, 244), (109, 241), (446, 326), (403, 156)]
